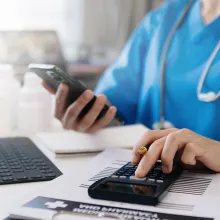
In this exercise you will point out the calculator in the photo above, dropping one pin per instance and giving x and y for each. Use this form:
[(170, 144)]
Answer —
[(124, 186)]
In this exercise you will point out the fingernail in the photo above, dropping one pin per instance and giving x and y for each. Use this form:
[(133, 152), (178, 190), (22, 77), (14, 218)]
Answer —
[(165, 169), (133, 161), (114, 110), (62, 87), (89, 95), (81, 129), (138, 173)]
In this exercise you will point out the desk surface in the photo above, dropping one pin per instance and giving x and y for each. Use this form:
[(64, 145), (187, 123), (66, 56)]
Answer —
[(14, 194)]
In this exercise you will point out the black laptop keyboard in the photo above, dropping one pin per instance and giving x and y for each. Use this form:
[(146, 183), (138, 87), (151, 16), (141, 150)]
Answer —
[(21, 161)]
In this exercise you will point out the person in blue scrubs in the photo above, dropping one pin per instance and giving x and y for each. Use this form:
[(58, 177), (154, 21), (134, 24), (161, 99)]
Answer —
[(133, 87)]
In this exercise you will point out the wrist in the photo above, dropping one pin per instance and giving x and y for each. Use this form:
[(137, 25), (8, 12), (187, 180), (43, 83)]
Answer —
[(211, 156)]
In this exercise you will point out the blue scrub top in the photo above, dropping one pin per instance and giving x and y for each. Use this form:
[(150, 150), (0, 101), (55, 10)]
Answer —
[(132, 83)]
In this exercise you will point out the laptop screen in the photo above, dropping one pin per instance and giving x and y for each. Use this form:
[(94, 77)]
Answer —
[(20, 48)]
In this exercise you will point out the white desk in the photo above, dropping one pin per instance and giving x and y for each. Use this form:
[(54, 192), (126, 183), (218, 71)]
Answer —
[(73, 166), (13, 195)]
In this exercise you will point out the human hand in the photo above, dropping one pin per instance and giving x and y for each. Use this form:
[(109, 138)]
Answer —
[(68, 115), (165, 144)]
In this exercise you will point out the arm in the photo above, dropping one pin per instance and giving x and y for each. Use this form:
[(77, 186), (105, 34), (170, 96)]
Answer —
[(121, 82)]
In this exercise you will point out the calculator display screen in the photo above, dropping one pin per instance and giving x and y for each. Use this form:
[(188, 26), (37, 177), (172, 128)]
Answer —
[(128, 188)]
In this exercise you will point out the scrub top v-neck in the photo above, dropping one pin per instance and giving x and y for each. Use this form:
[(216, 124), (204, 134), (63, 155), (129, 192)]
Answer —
[(132, 83)]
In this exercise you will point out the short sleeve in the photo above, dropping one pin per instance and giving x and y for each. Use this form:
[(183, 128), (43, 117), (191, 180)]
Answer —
[(121, 83)]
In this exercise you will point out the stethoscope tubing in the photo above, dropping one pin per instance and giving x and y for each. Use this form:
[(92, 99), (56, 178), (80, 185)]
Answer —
[(165, 50)]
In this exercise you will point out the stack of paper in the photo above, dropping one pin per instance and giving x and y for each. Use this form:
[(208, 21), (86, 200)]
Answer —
[(74, 142), (195, 196)]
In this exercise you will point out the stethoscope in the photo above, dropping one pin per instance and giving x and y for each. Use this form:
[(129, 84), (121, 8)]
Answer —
[(204, 97)]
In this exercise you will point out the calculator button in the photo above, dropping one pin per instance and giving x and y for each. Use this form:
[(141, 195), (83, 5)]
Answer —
[(114, 176), (151, 172), (158, 169), (151, 180), (152, 176), (119, 173), (162, 177), (122, 177), (135, 178), (130, 167), (159, 181), (130, 171)]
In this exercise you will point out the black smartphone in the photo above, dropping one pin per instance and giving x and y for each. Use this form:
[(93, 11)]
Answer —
[(53, 76)]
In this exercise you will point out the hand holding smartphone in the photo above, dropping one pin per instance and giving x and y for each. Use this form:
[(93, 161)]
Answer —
[(75, 93)]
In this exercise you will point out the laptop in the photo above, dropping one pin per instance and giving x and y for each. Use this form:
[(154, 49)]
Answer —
[(20, 48)]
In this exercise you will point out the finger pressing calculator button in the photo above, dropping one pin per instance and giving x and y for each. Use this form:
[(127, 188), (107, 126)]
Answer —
[(135, 178)]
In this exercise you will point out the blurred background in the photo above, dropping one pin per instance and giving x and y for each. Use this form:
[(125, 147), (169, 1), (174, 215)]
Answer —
[(82, 36)]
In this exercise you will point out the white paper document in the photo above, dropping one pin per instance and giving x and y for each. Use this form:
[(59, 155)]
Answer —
[(74, 142), (193, 194)]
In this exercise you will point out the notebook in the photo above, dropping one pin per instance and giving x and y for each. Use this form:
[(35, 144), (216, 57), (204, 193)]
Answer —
[(67, 142)]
